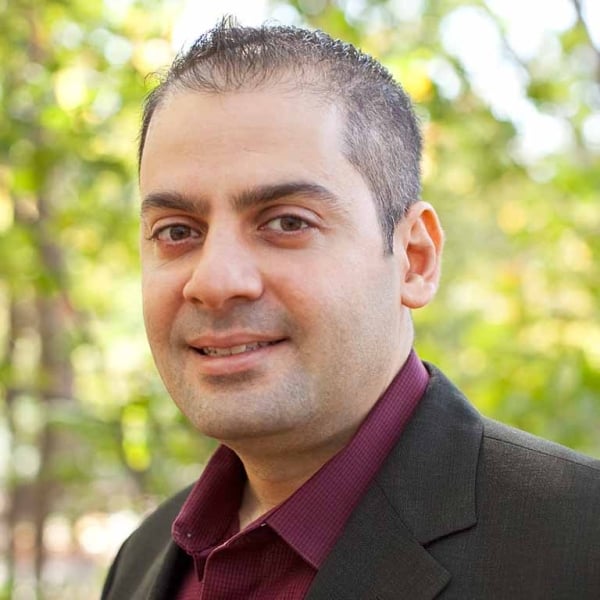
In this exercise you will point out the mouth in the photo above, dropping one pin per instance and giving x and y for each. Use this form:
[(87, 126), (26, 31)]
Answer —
[(233, 357), (217, 352)]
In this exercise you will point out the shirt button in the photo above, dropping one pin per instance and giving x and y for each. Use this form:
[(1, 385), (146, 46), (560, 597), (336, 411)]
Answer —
[(188, 535)]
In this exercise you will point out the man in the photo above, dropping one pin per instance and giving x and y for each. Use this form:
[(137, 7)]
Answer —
[(283, 246)]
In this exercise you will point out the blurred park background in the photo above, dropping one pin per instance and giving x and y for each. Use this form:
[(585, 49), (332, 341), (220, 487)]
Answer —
[(508, 92)]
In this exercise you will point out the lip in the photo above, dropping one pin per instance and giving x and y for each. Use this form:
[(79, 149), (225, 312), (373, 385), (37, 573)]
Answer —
[(230, 340), (234, 363)]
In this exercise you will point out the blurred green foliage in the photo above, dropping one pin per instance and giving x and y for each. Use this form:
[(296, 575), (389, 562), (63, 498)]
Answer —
[(83, 416)]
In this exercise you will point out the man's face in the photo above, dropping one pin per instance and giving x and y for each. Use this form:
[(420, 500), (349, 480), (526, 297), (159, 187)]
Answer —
[(271, 308)]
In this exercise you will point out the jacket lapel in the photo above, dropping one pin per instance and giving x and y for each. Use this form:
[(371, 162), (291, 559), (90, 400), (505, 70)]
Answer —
[(425, 491), (377, 559)]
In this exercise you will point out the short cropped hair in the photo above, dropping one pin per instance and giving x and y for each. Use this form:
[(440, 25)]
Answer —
[(381, 138)]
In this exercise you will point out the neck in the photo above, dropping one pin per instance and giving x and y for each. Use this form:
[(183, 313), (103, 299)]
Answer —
[(272, 478)]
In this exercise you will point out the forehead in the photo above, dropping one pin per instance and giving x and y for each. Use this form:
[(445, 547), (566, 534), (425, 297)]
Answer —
[(265, 133), (275, 112)]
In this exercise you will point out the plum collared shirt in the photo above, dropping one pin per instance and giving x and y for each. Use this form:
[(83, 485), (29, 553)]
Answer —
[(278, 555)]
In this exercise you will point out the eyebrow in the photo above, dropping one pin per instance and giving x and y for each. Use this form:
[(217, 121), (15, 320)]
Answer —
[(174, 201), (263, 194), (246, 199)]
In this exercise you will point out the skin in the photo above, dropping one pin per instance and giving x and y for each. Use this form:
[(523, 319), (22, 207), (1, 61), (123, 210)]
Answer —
[(255, 228)]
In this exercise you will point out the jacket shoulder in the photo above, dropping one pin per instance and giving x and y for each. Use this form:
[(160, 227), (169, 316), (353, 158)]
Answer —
[(519, 448)]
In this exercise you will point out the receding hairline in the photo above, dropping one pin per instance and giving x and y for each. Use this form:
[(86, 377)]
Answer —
[(283, 81)]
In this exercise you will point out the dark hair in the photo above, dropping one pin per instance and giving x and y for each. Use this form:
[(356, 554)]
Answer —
[(382, 139)]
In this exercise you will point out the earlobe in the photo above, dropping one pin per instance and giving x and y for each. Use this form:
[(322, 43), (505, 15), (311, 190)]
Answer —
[(419, 239)]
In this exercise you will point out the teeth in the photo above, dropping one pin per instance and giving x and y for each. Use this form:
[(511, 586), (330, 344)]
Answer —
[(209, 351)]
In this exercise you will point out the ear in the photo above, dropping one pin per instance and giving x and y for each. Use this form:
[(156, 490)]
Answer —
[(418, 240)]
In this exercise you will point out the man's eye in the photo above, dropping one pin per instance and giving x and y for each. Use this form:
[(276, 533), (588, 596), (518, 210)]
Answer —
[(287, 223), (175, 233)]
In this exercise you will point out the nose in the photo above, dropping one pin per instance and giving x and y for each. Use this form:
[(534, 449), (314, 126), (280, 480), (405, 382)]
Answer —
[(225, 271)]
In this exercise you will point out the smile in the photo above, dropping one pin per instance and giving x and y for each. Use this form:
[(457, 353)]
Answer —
[(239, 349)]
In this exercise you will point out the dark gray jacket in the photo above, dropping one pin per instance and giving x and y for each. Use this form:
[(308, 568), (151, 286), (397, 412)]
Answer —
[(464, 509)]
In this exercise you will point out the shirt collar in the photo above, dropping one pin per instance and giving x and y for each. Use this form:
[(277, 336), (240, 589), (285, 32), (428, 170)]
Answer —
[(207, 514)]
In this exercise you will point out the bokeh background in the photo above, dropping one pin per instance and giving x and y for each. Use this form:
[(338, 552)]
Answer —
[(508, 92)]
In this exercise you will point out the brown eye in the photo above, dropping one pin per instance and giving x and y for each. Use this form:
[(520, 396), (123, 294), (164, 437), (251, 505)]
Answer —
[(178, 232), (287, 223), (175, 233)]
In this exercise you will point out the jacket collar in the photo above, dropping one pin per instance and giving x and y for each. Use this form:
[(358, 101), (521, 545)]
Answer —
[(426, 490)]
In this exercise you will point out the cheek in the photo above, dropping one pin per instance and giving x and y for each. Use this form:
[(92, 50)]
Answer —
[(161, 298), (362, 296), (303, 288), (319, 308)]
